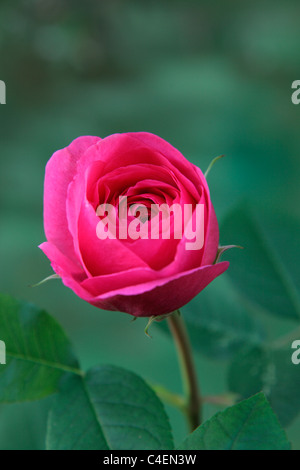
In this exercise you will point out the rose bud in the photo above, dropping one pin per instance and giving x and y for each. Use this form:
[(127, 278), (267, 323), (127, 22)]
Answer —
[(129, 224)]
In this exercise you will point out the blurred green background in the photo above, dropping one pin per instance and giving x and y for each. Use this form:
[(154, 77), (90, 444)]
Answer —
[(211, 77)]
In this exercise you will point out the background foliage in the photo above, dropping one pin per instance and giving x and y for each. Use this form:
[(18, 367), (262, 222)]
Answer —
[(211, 78)]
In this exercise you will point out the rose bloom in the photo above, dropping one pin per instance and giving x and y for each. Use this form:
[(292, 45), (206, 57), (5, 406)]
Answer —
[(142, 277)]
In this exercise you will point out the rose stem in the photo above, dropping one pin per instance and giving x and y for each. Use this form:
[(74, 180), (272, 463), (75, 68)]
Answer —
[(188, 372)]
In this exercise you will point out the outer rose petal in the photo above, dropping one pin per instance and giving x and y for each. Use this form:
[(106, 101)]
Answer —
[(157, 297), (60, 171), (171, 153), (211, 239)]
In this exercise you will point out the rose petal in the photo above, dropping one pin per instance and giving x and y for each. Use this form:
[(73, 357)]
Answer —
[(60, 171), (156, 297)]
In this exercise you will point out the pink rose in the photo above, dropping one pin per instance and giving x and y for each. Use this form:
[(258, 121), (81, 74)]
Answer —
[(144, 276)]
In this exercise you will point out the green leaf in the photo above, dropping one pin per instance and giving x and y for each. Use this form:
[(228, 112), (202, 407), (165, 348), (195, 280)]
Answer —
[(110, 408), (37, 352), (219, 323), (249, 425), (272, 372), (267, 270)]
